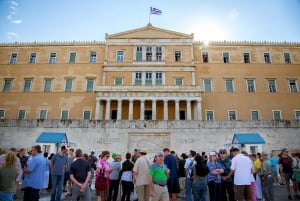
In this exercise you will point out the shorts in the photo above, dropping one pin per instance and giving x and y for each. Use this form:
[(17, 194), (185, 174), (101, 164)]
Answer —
[(288, 176), (173, 185), (242, 192)]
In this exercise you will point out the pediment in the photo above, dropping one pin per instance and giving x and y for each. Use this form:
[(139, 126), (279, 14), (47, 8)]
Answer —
[(149, 32)]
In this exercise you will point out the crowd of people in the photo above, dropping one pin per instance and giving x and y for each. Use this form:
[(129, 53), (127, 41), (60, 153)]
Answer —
[(223, 175)]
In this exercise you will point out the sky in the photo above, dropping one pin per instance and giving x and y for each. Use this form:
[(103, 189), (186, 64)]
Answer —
[(88, 20)]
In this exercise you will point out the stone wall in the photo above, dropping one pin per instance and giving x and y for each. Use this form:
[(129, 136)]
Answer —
[(123, 136)]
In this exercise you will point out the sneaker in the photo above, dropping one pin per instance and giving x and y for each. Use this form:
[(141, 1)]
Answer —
[(290, 197)]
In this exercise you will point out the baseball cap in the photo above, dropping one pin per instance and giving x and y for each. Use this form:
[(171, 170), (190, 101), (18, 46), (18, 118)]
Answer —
[(160, 153), (212, 153), (222, 151)]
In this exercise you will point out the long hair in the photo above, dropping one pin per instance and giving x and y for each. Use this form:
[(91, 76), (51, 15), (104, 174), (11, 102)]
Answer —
[(11, 159)]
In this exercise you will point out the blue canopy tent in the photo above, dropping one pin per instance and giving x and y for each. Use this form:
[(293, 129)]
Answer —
[(250, 142), (55, 138)]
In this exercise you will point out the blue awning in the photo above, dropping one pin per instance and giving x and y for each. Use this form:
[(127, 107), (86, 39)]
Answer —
[(48, 137), (247, 138)]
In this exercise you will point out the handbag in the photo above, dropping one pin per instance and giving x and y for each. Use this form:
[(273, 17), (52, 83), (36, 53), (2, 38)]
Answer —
[(101, 182)]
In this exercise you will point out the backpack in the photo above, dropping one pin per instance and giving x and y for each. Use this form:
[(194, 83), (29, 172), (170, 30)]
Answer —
[(203, 169), (181, 172), (92, 161)]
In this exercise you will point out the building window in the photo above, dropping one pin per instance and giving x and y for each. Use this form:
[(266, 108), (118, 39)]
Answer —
[(72, 57), (254, 115), (114, 114), (250, 86), (287, 58), (118, 81), (68, 85), (293, 86), (205, 57), (267, 58), (277, 115), (93, 57), (27, 85), (229, 85), (90, 85), (120, 56), (7, 85), (158, 78), (47, 86), (148, 114), (86, 115), (32, 58), (158, 54), (232, 115), (182, 115), (2, 114), (139, 54), (43, 114), (297, 114), (64, 114), (246, 58), (226, 57), (149, 53), (13, 58), (272, 86), (177, 55), (52, 58), (178, 81), (148, 80), (207, 85), (138, 79), (21, 114), (209, 115)]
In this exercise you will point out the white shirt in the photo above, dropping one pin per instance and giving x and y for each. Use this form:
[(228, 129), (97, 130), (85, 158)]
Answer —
[(242, 166)]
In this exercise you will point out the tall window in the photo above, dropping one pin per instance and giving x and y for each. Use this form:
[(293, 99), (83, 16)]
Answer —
[(138, 79), (148, 80), (182, 115), (68, 85), (149, 53), (287, 58), (7, 85), (297, 114), (246, 57), (272, 86), (47, 86), (267, 58), (254, 115), (64, 114), (293, 86), (2, 114), (177, 55), (207, 85), (13, 58), (72, 57), (86, 115), (232, 115), (178, 81), (250, 86), (118, 81), (27, 85), (21, 114), (158, 78), (89, 85), (32, 58), (277, 115), (148, 114), (43, 114), (209, 115), (226, 57), (205, 57), (158, 53), (120, 56), (52, 58), (229, 85), (92, 57), (139, 54)]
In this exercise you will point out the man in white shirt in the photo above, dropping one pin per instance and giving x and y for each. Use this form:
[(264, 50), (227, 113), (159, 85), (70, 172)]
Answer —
[(241, 167)]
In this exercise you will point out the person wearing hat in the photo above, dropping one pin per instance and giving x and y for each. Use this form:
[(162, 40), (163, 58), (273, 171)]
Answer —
[(189, 163), (226, 184), (267, 178), (158, 176), (114, 177)]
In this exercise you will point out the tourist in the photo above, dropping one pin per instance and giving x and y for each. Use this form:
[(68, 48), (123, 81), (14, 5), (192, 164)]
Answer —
[(189, 163), (214, 177), (114, 177), (267, 178), (102, 167), (126, 178)]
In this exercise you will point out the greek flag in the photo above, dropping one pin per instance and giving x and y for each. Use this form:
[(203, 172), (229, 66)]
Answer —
[(155, 11)]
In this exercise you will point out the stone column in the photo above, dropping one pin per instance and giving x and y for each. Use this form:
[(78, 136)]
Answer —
[(188, 110), (166, 110), (107, 112), (176, 109), (119, 112), (153, 109), (142, 110), (130, 112), (199, 110), (98, 113)]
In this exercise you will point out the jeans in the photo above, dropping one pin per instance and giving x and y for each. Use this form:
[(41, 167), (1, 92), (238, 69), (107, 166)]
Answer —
[(57, 187), (31, 194), (215, 191), (113, 187), (188, 189), (227, 188), (199, 191)]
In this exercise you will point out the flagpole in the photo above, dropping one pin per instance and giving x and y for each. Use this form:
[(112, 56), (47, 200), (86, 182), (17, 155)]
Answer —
[(149, 15)]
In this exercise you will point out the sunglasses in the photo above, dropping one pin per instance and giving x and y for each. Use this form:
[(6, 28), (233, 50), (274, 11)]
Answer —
[(107, 156), (222, 153)]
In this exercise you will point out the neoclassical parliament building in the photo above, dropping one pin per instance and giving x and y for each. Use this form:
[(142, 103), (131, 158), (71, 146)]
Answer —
[(150, 88)]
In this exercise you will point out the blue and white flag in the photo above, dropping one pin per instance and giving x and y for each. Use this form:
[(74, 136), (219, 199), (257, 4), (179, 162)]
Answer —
[(155, 11)]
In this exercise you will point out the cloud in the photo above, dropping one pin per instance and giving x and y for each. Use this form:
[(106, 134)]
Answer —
[(16, 21), (13, 12), (14, 3), (233, 14), (8, 17), (12, 35), (13, 8)]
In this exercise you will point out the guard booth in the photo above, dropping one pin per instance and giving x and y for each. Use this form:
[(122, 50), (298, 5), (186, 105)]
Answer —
[(249, 142), (51, 142)]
